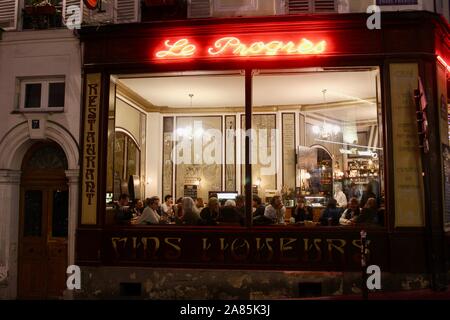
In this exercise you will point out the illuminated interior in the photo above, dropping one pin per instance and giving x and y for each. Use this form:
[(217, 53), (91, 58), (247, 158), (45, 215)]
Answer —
[(317, 131)]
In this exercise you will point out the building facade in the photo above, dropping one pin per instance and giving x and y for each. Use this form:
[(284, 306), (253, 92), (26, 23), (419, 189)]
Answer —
[(40, 70), (338, 97)]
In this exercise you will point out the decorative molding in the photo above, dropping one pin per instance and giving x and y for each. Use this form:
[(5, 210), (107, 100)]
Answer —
[(135, 98), (3, 273), (8, 177), (73, 176), (16, 142)]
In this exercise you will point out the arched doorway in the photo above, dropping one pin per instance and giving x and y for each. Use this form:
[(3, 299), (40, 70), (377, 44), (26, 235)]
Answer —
[(44, 207)]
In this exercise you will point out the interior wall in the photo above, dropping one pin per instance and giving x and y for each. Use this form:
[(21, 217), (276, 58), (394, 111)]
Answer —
[(128, 118)]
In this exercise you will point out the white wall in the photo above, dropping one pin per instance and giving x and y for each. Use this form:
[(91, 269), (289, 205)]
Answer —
[(40, 53), (35, 54)]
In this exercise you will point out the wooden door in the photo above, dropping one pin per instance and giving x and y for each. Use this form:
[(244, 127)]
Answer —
[(43, 233)]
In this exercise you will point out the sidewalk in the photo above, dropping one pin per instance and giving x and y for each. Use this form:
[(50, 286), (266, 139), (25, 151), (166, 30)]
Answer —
[(426, 294)]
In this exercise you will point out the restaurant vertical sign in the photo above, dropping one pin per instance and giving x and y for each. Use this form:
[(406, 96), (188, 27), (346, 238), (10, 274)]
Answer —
[(90, 149)]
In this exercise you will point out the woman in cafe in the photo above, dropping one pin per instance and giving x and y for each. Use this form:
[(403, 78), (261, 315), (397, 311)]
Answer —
[(191, 214), (331, 215), (276, 211), (369, 214), (302, 212), (210, 213)]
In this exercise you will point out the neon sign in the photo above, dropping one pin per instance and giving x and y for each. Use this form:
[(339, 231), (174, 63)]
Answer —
[(233, 46), (180, 48)]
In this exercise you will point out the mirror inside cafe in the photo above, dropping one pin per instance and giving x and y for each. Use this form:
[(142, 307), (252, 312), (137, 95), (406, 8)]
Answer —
[(177, 149)]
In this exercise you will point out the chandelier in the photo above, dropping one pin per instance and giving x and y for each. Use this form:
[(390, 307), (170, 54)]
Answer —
[(326, 130)]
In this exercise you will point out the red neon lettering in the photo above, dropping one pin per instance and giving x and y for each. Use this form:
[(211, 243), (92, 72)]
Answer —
[(181, 48), (234, 46)]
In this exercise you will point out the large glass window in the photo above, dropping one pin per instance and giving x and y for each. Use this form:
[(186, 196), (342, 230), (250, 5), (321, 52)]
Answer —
[(316, 149), (331, 142)]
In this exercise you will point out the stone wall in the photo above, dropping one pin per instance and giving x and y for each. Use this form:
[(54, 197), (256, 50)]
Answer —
[(179, 284)]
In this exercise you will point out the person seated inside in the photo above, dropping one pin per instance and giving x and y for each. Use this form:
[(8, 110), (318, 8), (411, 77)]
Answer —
[(150, 214), (167, 208), (369, 214), (124, 213), (330, 216), (367, 194), (191, 215), (199, 203), (210, 213), (275, 211), (159, 209), (302, 212), (229, 213), (139, 206), (340, 197), (240, 206), (350, 214), (178, 209), (258, 207)]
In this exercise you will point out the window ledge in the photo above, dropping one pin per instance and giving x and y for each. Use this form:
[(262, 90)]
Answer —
[(48, 111)]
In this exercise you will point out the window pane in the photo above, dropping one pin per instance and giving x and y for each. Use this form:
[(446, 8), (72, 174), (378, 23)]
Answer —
[(33, 213), (264, 175), (335, 135), (56, 95), (60, 213), (201, 167), (33, 95)]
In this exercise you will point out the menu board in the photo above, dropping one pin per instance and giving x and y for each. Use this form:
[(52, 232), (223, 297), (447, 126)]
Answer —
[(446, 161), (288, 136), (408, 181)]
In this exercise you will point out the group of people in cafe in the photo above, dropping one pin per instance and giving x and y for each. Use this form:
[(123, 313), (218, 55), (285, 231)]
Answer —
[(186, 211)]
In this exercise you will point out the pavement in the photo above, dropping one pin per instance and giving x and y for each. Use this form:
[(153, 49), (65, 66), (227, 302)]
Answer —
[(425, 294)]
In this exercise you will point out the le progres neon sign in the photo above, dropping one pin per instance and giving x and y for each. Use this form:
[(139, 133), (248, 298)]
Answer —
[(233, 46)]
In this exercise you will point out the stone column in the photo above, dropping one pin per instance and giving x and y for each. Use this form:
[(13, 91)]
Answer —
[(9, 232), (73, 177)]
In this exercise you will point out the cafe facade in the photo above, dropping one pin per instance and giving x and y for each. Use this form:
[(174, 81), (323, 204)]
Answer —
[(296, 106)]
